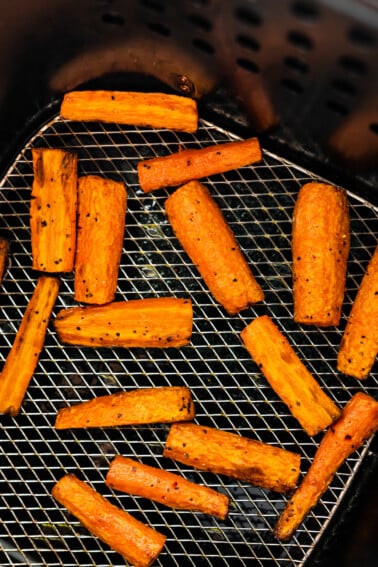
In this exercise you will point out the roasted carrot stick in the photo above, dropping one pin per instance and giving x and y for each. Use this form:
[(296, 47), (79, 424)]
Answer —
[(145, 405), (133, 477), (4, 249), (288, 376), (222, 452), (138, 543), (320, 248), (358, 421), (100, 232), (359, 345), (208, 240), (156, 110), (153, 322), (186, 165), (53, 210), (23, 357)]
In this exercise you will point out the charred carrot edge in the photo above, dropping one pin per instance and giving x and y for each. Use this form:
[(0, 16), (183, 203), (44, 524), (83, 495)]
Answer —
[(101, 226), (288, 376), (206, 237), (359, 344), (320, 248), (4, 249), (145, 405), (153, 322), (222, 452), (187, 165), (156, 110), (23, 356), (358, 422), (170, 489), (53, 210), (135, 541)]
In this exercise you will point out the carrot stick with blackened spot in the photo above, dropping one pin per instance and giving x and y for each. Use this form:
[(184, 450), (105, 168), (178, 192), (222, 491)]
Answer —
[(138, 543), (170, 489), (4, 250), (222, 452), (358, 422), (186, 165), (206, 237)]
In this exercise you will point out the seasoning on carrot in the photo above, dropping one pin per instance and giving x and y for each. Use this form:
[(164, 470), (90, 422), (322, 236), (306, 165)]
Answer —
[(186, 165), (100, 232), (203, 232), (53, 210), (222, 452), (23, 356), (359, 345), (138, 543), (358, 422), (133, 477), (4, 250), (155, 110), (135, 407), (320, 248), (288, 376), (152, 322)]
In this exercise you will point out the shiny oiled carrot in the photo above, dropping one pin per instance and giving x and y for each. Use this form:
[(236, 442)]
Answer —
[(4, 249)]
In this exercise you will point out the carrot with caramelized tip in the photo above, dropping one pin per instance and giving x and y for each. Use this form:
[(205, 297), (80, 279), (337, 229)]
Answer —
[(170, 489), (53, 210), (155, 110), (230, 454), (138, 543), (359, 344), (320, 248), (23, 356), (358, 422), (101, 226), (288, 376), (160, 322), (142, 406), (4, 249), (186, 165), (206, 237)]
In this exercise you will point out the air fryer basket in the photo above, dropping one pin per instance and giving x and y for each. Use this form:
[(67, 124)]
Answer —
[(302, 76)]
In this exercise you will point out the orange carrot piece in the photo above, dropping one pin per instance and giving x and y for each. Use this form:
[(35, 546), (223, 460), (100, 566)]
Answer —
[(359, 345), (320, 248), (152, 322), (23, 357), (138, 543), (288, 376), (187, 165), (206, 237), (222, 452), (145, 405), (358, 422), (133, 477), (155, 110), (4, 249), (53, 210), (100, 232)]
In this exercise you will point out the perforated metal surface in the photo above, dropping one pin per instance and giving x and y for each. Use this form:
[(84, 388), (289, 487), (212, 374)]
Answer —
[(228, 389)]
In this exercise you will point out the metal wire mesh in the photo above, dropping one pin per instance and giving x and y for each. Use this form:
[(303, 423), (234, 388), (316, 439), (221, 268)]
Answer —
[(228, 389)]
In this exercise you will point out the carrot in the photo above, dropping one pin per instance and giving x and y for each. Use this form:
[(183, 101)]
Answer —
[(153, 322), (4, 250), (222, 452), (211, 245), (156, 110), (100, 232), (187, 165), (145, 405), (320, 248), (359, 344), (23, 356), (53, 210), (288, 376), (358, 422), (133, 477), (138, 543)]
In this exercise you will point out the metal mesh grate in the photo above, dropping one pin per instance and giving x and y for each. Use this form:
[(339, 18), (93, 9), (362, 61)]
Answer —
[(229, 391)]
